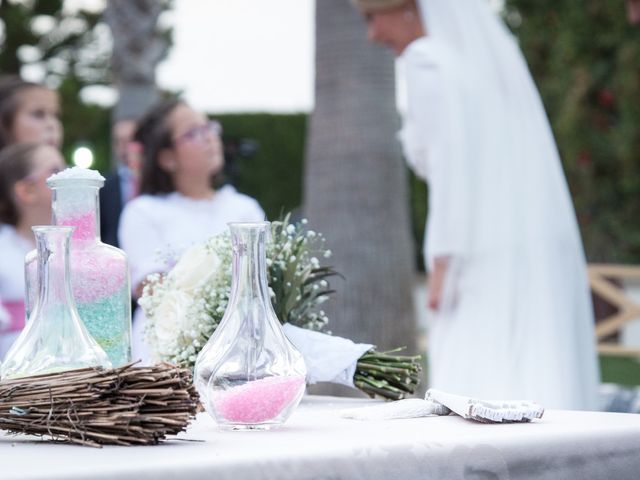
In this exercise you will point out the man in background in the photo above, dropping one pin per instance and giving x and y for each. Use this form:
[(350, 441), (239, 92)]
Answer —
[(121, 185), (633, 11)]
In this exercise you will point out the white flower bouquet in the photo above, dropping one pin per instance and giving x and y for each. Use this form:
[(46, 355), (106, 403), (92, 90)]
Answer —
[(185, 305)]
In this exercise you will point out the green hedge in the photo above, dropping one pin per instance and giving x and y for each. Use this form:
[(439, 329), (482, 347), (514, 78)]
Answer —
[(274, 174)]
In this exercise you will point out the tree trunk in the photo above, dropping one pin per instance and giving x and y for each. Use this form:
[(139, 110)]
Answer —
[(356, 187), (138, 46)]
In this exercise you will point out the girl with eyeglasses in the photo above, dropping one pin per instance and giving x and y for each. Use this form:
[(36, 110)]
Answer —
[(178, 205), (25, 201), (29, 112)]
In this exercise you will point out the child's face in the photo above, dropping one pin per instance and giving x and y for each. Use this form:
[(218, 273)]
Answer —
[(45, 162), (37, 118)]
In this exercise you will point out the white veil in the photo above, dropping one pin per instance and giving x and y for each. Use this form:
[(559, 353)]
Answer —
[(500, 209), (500, 128)]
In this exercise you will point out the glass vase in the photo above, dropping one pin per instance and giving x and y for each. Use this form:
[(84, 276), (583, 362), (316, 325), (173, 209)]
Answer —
[(99, 272), (249, 375), (54, 339)]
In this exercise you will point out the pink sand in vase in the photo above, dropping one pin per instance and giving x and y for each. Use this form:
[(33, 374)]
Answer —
[(85, 224), (258, 401)]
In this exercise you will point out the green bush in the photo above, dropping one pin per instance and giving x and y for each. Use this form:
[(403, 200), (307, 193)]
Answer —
[(274, 174)]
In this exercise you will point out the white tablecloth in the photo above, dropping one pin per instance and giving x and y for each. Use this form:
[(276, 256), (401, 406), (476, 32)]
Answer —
[(317, 444)]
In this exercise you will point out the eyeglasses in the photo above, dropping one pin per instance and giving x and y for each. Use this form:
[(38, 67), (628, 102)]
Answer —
[(199, 133)]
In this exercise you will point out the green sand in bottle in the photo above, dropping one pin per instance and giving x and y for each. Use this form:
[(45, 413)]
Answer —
[(103, 319)]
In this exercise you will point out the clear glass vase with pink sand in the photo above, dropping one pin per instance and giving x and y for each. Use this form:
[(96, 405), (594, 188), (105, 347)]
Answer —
[(99, 272), (249, 375)]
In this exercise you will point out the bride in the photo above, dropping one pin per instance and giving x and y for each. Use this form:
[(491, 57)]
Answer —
[(512, 315)]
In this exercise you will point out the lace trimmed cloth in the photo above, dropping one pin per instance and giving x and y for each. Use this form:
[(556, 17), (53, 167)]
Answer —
[(439, 403)]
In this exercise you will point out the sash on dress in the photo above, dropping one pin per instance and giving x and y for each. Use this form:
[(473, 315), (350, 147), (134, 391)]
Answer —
[(17, 316)]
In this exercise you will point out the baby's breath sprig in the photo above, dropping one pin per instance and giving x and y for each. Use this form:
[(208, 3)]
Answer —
[(299, 283)]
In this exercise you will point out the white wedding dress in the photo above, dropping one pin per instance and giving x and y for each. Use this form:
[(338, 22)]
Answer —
[(516, 319)]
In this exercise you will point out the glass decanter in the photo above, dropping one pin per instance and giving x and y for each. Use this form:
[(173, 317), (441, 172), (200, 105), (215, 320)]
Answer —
[(99, 272), (54, 339), (249, 375)]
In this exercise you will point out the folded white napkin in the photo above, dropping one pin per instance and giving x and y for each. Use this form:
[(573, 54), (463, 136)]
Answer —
[(489, 411), (437, 402)]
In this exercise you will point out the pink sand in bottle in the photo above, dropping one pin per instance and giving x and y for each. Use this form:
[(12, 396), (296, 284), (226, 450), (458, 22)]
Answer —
[(99, 277), (258, 401), (85, 224)]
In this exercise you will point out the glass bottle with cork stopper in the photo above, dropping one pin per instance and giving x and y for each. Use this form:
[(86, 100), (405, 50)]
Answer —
[(99, 272)]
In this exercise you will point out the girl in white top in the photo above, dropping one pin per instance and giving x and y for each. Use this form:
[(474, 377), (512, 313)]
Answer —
[(25, 201), (512, 315), (178, 206)]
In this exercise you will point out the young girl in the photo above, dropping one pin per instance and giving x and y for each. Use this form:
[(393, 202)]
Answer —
[(28, 113), (178, 206), (25, 201)]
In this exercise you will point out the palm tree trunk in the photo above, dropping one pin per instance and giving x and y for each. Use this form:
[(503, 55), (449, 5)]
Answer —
[(356, 189), (138, 46)]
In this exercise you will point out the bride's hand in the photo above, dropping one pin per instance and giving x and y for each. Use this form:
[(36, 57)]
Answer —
[(435, 283)]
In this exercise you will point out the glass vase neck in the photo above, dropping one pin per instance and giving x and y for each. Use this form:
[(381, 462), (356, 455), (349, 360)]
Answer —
[(77, 204), (249, 261), (52, 244)]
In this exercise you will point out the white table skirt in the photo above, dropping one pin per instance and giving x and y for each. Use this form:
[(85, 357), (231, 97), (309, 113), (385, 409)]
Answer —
[(317, 444)]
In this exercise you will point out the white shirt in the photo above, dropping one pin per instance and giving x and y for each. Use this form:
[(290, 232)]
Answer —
[(13, 248), (157, 226)]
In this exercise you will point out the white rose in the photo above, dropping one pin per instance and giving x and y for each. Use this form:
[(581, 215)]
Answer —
[(195, 267), (170, 320)]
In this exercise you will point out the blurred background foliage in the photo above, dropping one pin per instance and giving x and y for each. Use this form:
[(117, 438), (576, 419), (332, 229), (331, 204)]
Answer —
[(584, 56), (585, 59), (271, 171)]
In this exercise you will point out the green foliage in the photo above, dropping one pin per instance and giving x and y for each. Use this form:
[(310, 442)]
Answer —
[(84, 124), (40, 33), (298, 282), (621, 370), (585, 59), (418, 203), (274, 174)]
